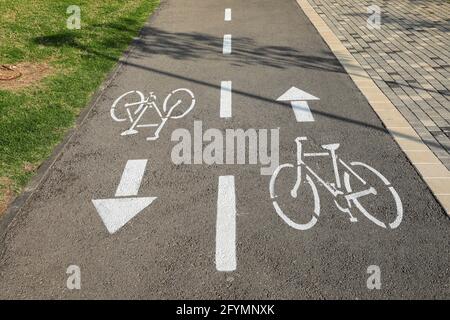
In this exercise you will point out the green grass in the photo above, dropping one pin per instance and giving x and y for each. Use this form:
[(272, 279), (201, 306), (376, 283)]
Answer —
[(34, 120)]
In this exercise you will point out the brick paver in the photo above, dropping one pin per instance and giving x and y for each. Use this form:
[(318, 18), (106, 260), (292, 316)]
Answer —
[(408, 58)]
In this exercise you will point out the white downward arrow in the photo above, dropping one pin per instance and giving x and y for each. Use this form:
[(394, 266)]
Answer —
[(298, 99), (116, 212)]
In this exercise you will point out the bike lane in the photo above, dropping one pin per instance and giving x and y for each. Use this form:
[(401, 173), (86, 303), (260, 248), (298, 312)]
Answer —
[(168, 250)]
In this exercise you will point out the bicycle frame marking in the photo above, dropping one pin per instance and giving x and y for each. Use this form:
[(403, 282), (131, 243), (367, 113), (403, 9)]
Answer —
[(149, 103), (335, 188)]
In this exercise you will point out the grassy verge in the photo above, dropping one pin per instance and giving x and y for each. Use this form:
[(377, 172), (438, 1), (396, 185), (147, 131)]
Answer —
[(34, 119)]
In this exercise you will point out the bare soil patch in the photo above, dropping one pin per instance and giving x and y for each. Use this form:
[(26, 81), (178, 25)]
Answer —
[(22, 75), (6, 193)]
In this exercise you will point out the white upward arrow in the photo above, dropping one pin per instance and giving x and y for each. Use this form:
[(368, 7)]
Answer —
[(298, 99), (116, 212)]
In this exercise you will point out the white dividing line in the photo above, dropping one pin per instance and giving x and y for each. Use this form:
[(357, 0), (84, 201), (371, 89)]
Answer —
[(302, 111), (228, 14), (226, 225), (131, 178), (226, 44), (225, 99)]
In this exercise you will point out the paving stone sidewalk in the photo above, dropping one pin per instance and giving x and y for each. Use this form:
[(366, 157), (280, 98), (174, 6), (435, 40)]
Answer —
[(408, 58)]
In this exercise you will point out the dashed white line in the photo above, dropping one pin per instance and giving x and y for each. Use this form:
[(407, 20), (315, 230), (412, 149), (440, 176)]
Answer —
[(131, 178), (226, 225), (228, 14), (225, 99), (226, 198), (226, 44)]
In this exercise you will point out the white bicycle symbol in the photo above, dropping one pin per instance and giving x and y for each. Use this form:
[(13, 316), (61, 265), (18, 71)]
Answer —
[(345, 194), (133, 112)]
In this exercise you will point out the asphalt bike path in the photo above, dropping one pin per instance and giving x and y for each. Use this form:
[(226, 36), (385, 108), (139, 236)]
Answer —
[(139, 225)]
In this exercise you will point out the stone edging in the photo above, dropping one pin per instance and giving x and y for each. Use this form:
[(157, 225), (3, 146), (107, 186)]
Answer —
[(434, 173)]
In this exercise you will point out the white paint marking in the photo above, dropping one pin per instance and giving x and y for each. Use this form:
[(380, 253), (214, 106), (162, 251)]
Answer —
[(299, 102), (131, 178), (335, 188), (116, 212), (228, 14), (225, 99), (302, 111), (138, 105), (226, 44), (295, 94), (226, 225)]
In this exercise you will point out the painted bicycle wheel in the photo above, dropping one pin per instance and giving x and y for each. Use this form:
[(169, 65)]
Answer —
[(306, 186), (120, 109), (178, 103), (383, 213)]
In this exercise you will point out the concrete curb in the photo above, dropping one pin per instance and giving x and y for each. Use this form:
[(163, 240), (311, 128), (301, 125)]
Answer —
[(433, 172)]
